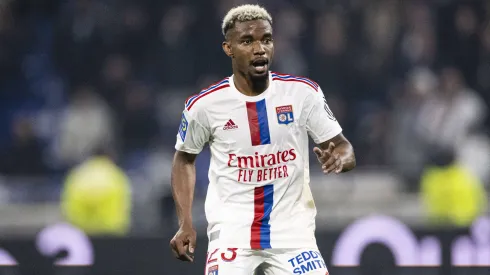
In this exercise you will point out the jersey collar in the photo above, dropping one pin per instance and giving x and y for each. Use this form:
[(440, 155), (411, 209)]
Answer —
[(251, 98)]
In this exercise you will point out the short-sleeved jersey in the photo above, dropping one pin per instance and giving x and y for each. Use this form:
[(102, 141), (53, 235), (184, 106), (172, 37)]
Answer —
[(258, 195)]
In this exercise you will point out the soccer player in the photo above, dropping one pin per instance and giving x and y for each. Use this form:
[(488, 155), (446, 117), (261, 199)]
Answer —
[(259, 206)]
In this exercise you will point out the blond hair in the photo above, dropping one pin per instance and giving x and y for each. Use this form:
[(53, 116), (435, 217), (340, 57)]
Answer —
[(244, 13)]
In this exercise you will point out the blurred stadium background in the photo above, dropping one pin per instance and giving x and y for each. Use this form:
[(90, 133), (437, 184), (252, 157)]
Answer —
[(102, 83)]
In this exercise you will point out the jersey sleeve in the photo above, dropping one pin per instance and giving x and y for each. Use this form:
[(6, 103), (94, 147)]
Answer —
[(321, 123), (193, 133)]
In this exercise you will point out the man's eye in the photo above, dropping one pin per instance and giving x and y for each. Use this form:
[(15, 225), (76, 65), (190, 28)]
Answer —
[(246, 42), (268, 40)]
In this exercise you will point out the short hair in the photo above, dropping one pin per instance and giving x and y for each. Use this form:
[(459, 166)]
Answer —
[(244, 13)]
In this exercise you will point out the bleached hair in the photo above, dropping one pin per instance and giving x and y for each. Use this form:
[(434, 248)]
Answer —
[(244, 13)]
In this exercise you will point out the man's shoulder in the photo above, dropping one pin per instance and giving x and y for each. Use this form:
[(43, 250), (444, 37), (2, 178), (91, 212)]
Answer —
[(207, 95), (295, 83)]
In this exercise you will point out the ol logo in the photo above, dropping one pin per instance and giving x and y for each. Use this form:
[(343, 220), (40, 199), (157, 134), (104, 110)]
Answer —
[(285, 114), (213, 270), (183, 127)]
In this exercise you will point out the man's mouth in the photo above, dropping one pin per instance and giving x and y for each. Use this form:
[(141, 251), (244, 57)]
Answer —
[(260, 64)]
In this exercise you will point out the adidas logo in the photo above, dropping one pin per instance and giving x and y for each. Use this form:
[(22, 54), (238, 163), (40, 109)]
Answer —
[(230, 125)]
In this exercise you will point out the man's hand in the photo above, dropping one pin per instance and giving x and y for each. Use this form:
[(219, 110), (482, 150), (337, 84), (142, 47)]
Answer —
[(184, 243), (329, 160)]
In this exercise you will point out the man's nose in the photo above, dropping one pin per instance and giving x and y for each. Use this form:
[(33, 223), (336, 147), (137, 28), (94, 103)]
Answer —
[(258, 48)]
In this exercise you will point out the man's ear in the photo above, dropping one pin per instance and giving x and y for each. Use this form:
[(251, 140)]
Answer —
[(227, 48)]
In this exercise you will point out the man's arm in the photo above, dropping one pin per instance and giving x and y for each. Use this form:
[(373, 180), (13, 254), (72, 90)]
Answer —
[(336, 155), (183, 183), (334, 151)]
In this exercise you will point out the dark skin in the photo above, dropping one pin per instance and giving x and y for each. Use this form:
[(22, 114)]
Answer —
[(183, 183), (250, 47), (248, 44), (335, 155)]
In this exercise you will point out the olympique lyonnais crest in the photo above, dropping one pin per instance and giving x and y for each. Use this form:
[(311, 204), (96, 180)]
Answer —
[(285, 114), (213, 270)]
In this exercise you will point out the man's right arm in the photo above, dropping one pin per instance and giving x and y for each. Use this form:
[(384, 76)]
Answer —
[(191, 138), (183, 183)]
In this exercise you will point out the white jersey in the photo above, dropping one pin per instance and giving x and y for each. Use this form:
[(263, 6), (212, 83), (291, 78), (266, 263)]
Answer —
[(258, 195)]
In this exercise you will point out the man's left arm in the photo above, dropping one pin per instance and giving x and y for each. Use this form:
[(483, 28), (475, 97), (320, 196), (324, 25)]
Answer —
[(334, 151), (336, 155)]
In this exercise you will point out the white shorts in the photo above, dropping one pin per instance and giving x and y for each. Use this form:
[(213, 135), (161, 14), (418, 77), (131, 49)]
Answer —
[(235, 261)]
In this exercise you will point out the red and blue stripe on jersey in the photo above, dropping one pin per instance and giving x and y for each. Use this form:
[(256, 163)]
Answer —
[(260, 233), (258, 123), (286, 77), (211, 89)]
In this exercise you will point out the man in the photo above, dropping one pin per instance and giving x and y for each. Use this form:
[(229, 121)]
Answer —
[(259, 205)]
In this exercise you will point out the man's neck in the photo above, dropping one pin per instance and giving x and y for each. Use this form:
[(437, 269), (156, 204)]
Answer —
[(250, 87)]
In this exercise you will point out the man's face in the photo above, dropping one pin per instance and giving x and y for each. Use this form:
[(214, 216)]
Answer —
[(251, 47)]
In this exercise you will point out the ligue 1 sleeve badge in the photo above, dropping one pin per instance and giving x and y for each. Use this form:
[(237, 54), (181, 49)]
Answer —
[(213, 270), (285, 114)]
